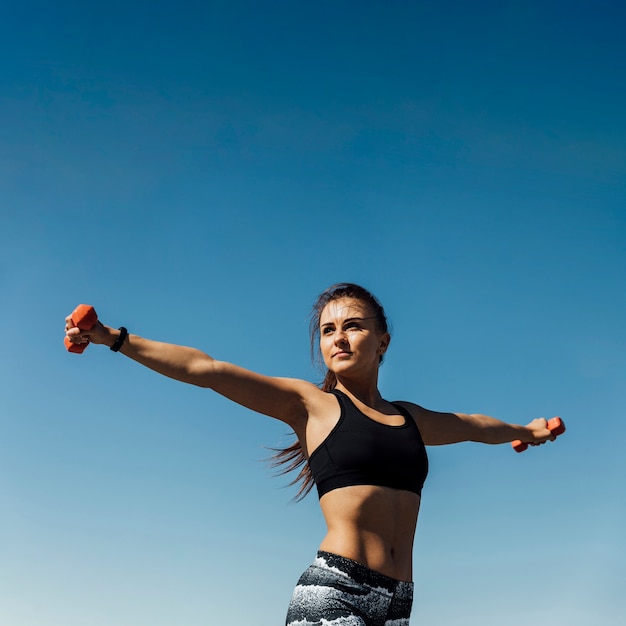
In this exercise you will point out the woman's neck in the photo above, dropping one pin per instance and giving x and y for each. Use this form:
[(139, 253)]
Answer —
[(366, 393)]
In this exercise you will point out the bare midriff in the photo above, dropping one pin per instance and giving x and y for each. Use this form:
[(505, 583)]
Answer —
[(374, 526)]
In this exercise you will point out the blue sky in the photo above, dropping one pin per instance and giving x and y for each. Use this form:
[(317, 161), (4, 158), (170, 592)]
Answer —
[(200, 172)]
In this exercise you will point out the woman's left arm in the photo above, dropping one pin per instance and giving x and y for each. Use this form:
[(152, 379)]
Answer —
[(443, 428)]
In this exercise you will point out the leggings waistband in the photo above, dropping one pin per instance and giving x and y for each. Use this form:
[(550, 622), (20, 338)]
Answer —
[(358, 572)]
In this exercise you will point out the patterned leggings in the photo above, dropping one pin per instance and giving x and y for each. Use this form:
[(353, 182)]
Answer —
[(335, 591)]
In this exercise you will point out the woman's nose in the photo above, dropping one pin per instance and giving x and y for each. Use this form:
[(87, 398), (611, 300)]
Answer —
[(340, 337)]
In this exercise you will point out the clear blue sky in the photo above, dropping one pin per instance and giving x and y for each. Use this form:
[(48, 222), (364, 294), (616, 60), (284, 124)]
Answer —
[(200, 172)]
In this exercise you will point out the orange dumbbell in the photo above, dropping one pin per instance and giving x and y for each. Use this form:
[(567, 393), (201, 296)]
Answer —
[(555, 426), (84, 316)]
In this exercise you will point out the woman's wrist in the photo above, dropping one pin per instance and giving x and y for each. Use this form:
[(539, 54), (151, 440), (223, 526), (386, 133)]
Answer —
[(112, 336), (525, 434), (520, 433), (121, 338)]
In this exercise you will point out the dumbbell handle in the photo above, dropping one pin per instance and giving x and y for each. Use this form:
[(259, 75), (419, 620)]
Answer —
[(555, 426), (84, 316)]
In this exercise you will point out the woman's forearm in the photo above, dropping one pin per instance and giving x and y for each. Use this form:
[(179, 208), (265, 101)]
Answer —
[(485, 429)]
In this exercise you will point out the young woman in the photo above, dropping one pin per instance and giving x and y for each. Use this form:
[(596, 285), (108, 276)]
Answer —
[(365, 455)]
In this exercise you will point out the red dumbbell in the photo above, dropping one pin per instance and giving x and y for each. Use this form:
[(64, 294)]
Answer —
[(84, 316), (555, 426)]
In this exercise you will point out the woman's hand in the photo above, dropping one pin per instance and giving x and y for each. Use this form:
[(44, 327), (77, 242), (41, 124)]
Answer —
[(538, 432), (98, 333)]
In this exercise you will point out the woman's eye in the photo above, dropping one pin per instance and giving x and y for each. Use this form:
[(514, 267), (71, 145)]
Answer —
[(351, 325), (327, 330)]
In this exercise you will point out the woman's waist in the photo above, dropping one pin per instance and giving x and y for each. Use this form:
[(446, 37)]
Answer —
[(392, 558)]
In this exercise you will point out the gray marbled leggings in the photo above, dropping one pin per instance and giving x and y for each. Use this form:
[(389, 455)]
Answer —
[(335, 591)]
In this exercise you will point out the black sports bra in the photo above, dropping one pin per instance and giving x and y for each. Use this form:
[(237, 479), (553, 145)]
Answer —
[(362, 451)]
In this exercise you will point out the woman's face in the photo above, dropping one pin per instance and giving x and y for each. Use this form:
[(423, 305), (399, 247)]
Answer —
[(350, 341)]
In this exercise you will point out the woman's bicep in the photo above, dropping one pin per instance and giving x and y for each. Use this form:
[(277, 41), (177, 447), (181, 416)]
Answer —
[(285, 399)]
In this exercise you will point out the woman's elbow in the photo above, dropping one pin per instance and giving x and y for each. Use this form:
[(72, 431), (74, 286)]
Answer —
[(202, 371)]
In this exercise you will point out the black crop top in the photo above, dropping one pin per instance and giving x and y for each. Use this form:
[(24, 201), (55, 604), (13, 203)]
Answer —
[(362, 451)]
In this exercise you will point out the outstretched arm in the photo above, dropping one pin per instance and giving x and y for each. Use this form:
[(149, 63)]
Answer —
[(285, 399), (444, 428)]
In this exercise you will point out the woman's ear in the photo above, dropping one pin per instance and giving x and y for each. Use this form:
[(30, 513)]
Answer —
[(385, 340)]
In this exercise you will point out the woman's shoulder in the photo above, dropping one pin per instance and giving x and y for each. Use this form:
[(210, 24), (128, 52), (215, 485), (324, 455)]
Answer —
[(433, 425), (422, 416), (411, 407)]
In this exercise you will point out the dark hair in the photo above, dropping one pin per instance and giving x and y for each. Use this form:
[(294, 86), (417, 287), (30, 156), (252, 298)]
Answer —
[(292, 457)]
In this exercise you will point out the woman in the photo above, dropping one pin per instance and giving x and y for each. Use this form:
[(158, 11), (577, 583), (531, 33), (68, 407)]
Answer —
[(366, 455)]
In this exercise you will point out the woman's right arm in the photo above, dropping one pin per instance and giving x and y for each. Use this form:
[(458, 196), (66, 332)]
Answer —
[(286, 399)]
